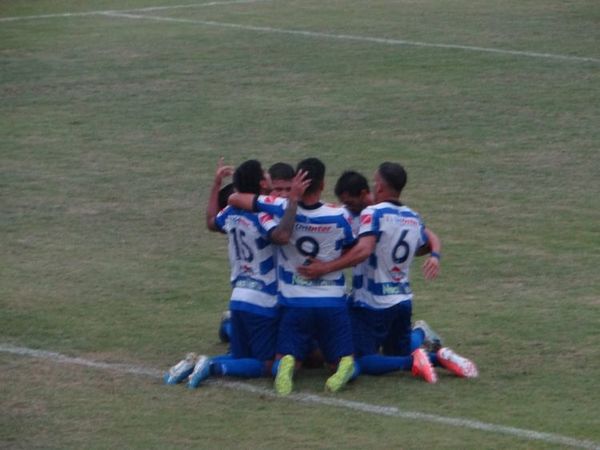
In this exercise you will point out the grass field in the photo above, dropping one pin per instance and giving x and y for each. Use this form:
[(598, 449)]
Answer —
[(112, 123)]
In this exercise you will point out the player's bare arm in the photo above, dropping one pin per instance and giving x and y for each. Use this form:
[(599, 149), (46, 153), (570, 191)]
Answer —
[(354, 256), (282, 233), (431, 266), (212, 209), (242, 201)]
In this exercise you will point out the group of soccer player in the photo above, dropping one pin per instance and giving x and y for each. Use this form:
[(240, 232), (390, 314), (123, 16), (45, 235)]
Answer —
[(288, 250)]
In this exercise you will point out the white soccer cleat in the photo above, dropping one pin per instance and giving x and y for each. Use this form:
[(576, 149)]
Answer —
[(201, 372), (458, 365), (432, 341), (181, 370)]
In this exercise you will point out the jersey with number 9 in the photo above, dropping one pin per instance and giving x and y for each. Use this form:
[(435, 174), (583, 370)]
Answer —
[(321, 231)]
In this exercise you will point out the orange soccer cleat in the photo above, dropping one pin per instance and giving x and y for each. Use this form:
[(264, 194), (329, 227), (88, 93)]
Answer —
[(458, 365), (422, 366)]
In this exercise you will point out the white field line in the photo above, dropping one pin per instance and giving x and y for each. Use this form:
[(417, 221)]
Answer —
[(351, 37), (128, 14), (390, 411), (148, 9)]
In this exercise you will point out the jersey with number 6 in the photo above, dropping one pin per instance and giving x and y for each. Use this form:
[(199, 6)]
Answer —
[(253, 274), (399, 232), (321, 231)]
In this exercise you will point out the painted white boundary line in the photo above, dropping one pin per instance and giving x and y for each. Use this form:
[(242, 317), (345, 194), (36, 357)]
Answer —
[(127, 14), (148, 9), (350, 37), (390, 411)]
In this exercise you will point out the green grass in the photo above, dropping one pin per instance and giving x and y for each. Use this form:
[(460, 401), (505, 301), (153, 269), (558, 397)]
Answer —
[(111, 129)]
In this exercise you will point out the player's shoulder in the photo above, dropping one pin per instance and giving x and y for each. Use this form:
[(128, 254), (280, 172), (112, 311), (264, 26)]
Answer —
[(225, 211), (336, 212), (272, 200), (392, 207), (333, 208), (408, 212)]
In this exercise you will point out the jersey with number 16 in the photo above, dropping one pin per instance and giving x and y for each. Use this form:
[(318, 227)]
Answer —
[(253, 274)]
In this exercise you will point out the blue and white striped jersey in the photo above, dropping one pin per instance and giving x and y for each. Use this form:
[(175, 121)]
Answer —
[(253, 272), (321, 231), (357, 271), (400, 233)]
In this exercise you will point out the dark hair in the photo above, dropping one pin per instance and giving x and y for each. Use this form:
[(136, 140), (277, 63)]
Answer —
[(247, 177), (351, 182), (394, 175), (315, 171), (224, 194), (281, 171)]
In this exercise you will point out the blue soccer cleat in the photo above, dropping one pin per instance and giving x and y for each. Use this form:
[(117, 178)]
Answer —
[(181, 370), (201, 372)]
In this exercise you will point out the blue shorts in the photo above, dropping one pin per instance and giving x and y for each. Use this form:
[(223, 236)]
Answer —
[(299, 327), (374, 329), (253, 335)]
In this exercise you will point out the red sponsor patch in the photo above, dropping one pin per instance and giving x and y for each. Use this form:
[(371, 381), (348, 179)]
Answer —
[(264, 218), (366, 219)]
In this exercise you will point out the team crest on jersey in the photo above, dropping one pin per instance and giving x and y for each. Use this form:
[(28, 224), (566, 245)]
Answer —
[(239, 220), (270, 199), (247, 269), (397, 274), (366, 219)]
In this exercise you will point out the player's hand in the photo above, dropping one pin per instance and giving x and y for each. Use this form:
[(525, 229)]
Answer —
[(312, 269), (431, 268), (299, 185), (223, 171)]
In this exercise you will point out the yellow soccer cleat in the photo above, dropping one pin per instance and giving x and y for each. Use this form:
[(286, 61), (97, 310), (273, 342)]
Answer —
[(342, 375), (285, 374)]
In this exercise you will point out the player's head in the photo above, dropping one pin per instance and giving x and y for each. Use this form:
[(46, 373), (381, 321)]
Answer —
[(224, 194), (281, 179), (352, 189), (249, 177), (315, 170), (390, 179)]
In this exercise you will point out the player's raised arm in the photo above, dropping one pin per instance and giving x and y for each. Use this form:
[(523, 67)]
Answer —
[(212, 209), (282, 233), (357, 254), (431, 267), (242, 201)]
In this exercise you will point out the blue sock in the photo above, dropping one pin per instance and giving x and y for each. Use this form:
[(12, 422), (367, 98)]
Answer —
[(417, 336), (357, 371), (434, 359), (243, 368), (216, 360), (380, 364), (275, 367), (225, 331)]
